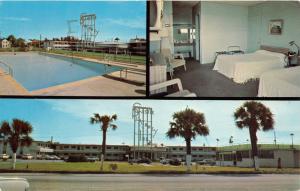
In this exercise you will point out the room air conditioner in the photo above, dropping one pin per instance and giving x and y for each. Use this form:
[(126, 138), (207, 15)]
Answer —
[(156, 13)]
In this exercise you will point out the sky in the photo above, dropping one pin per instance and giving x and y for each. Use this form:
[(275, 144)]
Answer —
[(68, 120), (29, 19)]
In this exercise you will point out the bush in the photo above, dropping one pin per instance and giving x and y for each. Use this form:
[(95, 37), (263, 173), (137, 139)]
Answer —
[(77, 158), (113, 167)]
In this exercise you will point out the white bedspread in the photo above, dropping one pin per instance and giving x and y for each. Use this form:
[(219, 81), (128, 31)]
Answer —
[(244, 67), (280, 83)]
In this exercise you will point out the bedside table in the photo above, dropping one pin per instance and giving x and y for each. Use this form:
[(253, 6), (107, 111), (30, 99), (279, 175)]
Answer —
[(290, 58)]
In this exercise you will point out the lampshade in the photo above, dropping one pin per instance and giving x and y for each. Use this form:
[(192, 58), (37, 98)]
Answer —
[(292, 43)]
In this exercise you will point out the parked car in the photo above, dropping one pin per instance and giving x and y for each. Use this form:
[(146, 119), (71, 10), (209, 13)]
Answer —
[(92, 159), (4, 156), (164, 161), (207, 162), (14, 184), (52, 157), (56, 157), (77, 158), (144, 160), (27, 157), (175, 162)]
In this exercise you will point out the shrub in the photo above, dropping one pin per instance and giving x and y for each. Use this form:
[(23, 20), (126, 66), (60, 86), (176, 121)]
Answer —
[(113, 167)]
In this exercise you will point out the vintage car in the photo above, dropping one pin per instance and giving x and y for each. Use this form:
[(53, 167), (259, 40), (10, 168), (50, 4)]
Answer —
[(13, 184)]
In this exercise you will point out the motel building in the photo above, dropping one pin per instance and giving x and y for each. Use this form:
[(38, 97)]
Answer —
[(4, 43), (37, 148), (113, 152), (270, 155)]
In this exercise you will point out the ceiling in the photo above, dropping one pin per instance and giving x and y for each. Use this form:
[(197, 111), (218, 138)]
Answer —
[(185, 3)]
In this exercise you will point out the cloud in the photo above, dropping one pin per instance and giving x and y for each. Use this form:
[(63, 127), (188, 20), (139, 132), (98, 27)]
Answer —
[(137, 23), (24, 19)]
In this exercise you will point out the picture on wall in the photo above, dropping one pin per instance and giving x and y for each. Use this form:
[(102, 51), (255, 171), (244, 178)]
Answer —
[(275, 27)]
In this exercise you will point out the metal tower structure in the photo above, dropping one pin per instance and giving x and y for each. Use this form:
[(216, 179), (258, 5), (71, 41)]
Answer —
[(88, 29), (70, 31), (143, 130)]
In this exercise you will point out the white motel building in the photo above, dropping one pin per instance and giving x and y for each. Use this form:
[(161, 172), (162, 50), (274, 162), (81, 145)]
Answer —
[(269, 155), (236, 155), (113, 152)]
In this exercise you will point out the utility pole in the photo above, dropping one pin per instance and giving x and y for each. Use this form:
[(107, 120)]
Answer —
[(292, 135), (40, 41), (274, 137)]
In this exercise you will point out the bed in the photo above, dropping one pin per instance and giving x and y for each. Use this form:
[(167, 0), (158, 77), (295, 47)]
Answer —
[(280, 83), (244, 67)]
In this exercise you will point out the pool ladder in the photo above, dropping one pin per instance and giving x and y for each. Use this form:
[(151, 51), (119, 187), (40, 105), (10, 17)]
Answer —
[(10, 70)]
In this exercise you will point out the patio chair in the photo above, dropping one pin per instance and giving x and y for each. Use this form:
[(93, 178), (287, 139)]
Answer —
[(180, 93), (175, 60), (160, 59)]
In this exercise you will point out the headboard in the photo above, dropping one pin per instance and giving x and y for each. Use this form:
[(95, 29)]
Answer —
[(274, 49)]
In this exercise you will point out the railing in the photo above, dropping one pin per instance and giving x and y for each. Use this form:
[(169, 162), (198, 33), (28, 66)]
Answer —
[(10, 70)]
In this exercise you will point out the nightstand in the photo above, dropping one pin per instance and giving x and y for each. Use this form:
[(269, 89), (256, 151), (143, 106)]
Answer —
[(295, 59)]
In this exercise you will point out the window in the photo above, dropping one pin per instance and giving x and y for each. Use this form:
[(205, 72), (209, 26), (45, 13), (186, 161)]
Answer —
[(87, 147), (108, 147), (94, 147), (181, 149), (174, 149), (73, 147), (116, 148)]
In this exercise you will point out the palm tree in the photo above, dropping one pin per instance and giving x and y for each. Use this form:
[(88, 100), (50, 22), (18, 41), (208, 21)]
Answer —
[(17, 134), (105, 122), (254, 116), (188, 124)]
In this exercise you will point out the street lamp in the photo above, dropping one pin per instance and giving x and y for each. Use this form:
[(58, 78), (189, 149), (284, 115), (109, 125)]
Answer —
[(218, 142), (231, 140), (292, 135)]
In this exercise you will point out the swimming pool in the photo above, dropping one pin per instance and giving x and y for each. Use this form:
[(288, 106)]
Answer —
[(36, 71)]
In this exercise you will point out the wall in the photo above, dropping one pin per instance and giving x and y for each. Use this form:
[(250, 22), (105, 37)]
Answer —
[(196, 23), (166, 32), (259, 18), (222, 25)]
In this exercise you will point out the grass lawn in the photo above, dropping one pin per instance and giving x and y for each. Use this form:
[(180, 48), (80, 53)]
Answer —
[(124, 167), (101, 56)]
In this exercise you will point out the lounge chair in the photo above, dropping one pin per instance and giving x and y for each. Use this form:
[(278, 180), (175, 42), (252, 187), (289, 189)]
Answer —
[(160, 59), (180, 93), (175, 60)]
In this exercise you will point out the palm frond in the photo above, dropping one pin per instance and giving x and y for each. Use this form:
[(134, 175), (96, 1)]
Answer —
[(5, 128)]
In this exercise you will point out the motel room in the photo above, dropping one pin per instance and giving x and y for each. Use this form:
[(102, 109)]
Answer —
[(225, 48)]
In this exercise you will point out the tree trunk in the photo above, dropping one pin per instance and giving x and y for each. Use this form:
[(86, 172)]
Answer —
[(103, 149), (253, 139), (188, 154), (14, 158)]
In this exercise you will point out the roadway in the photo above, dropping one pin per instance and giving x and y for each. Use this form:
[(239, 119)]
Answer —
[(137, 182)]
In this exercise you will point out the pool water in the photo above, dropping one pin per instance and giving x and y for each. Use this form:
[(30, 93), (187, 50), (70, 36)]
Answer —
[(37, 71)]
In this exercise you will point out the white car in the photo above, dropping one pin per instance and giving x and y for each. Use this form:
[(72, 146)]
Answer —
[(27, 157), (4, 156), (13, 184)]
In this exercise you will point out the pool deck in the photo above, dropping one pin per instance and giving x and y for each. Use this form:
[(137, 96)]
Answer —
[(107, 85), (9, 86)]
